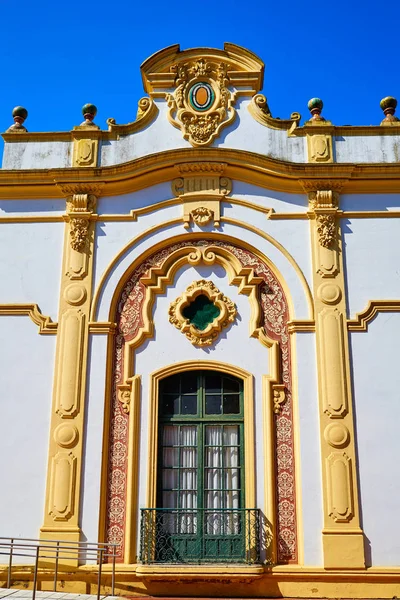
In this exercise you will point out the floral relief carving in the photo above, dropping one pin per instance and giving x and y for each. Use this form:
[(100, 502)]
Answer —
[(202, 215), (326, 229), (78, 231)]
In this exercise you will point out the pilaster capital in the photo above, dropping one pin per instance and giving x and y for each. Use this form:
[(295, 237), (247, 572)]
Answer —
[(69, 190)]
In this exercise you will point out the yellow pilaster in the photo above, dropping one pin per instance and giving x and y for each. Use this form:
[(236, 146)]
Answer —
[(62, 504), (343, 540)]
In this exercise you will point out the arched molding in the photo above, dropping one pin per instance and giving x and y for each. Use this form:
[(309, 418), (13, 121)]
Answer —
[(106, 278), (132, 311), (158, 278)]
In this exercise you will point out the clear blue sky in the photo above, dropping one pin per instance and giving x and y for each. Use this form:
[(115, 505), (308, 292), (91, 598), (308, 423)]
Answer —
[(56, 56)]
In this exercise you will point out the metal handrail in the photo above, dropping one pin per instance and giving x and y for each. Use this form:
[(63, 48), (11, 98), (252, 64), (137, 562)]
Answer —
[(54, 549)]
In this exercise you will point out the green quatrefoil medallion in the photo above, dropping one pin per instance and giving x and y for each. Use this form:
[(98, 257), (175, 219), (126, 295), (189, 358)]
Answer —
[(202, 312)]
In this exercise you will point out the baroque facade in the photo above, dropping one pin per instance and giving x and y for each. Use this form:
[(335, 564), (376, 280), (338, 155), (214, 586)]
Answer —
[(214, 383)]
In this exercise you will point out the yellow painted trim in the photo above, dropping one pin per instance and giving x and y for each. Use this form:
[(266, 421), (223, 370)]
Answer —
[(297, 449), (241, 165), (63, 486), (362, 319), (270, 213), (205, 581), (249, 437), (132, 485), (45, 324), (303, 325), (342, 536)]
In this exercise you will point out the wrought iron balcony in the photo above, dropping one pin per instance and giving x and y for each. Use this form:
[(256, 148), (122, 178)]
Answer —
[(187, 536)]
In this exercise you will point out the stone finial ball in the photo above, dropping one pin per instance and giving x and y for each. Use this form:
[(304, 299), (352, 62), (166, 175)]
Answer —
[(315, 103), (388, 102), (89, 109), (20, 111)]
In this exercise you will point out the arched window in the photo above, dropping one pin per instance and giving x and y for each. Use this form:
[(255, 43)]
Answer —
[(200, 493)]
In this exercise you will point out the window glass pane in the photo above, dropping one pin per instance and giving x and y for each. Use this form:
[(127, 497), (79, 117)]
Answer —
[(170, 499), (232, 404), (214, 435), (231, 457), (188, 435), (231, 435), (170, 435), (170, 479), (188, 480), (214, 499), (231, 385), (189, 405), (170, 457), (212, 384), (189, 383), (171, 384), (231, 479), (189, 457), (213, 405), (170, 404), (214, 457)]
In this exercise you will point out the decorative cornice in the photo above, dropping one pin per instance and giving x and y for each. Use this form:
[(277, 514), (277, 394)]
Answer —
[(314, 185), (201, 167), (241, 165), (245, 69), (71, 189)]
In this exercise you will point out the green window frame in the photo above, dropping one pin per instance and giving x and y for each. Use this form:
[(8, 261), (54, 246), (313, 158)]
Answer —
[(200, 483)]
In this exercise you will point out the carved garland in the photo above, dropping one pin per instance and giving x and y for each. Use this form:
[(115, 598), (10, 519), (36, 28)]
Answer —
[(130, 319)]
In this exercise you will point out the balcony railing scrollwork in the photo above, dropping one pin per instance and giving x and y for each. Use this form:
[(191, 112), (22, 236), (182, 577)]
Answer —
[(200, 535)]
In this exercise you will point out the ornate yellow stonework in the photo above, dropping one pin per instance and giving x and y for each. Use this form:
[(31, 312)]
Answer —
[(201, 189), (201, 123), (343, 540), (206, 337), (63, 494)]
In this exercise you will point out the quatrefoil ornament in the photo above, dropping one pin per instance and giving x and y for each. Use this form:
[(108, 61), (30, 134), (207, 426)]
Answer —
[(202, 312)]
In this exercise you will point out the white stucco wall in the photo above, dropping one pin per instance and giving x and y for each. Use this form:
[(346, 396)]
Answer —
[(30, 269), (375, 359), (367, 148), (26, 379), (370, 252), (37, 155)]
